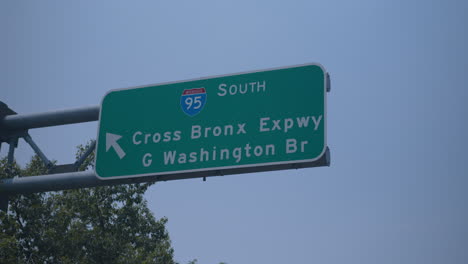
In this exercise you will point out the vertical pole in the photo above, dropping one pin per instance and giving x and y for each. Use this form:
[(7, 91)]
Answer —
[(11, 151), (4, 198), (11, 155)]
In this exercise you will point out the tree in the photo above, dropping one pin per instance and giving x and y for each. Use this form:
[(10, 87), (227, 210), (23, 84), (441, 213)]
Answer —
[(110, 224)]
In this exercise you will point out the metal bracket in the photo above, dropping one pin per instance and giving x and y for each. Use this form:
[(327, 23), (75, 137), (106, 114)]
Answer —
[(62, 168), (327, 157), (328, 83)]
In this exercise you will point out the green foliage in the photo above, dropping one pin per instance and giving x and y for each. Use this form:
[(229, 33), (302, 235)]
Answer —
[(110, 224)]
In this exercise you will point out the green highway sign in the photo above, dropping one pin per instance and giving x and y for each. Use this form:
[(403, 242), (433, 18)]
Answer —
[(253, 121)]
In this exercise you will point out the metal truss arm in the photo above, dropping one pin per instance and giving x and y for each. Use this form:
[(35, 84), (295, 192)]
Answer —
[(38, 151)]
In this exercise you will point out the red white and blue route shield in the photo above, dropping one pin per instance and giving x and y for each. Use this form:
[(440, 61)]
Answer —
[(193, 100)]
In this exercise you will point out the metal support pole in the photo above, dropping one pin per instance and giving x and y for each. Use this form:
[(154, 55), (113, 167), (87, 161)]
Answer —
[(85, 155), (11, 155), (53, 118), (38, 151), (11, 151)]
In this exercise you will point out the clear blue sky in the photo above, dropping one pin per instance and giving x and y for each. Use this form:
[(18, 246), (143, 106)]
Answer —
[(396, 191)]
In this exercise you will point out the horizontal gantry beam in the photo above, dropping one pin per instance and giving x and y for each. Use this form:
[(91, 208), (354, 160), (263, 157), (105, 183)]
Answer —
[(52, 118), (85, 179), (56, 182)]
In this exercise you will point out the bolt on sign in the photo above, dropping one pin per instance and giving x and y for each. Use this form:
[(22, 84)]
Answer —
[(242, 122)]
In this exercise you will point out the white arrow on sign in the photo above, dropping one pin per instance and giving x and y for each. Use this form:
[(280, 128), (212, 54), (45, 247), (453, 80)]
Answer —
[(111, 141)]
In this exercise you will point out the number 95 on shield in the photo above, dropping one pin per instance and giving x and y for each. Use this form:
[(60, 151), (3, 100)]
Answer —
[(193, 100)]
